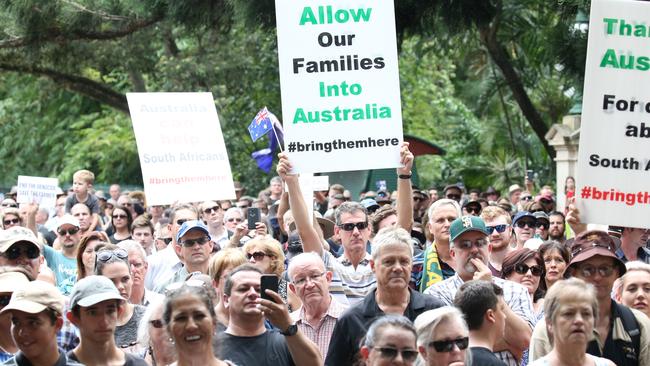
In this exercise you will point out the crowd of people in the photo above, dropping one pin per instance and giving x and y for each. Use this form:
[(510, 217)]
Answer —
[(411, 277)]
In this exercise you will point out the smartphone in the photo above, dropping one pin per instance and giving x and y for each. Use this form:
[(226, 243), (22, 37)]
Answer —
[(270, 282), (253, 216), (530, 175)]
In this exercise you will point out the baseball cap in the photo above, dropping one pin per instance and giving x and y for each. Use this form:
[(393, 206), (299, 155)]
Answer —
[(370, 204), (36, 296), (464, 224), (14, 235), (12, 281), (69, 220), (540, 215), (91, 290), (191, 225), (450, 186), (520, 215), (100, 195), (592, 243)]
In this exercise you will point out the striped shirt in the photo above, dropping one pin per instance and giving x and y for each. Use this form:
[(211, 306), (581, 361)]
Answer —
[(322, 333), (349, 285)]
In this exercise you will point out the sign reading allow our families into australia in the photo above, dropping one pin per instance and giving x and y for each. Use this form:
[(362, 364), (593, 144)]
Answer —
[(340, 84), (613, 180)]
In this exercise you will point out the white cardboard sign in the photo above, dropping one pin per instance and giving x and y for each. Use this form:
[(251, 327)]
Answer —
[(613, 180), (340, 84), (39, 190), (182, 152)]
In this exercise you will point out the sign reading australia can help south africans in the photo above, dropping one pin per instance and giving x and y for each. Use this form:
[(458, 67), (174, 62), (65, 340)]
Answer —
[(614, 158), (182, 153), (340, 84)]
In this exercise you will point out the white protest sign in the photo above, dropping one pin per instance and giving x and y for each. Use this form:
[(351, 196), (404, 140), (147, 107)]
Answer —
[(37, 190), (339, 80), (613, 180), (182, 153)]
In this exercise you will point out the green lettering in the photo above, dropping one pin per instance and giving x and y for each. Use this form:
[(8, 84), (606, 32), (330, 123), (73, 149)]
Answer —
[(299, 116), (308, 17), (609, 59), (610, 24)]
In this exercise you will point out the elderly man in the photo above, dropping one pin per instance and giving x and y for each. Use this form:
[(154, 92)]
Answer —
[(470, 250), (620, 334), (319, 312), (391, 263), (246, 341), (138, 263), (64, 263), (497, 222), (524, 225)]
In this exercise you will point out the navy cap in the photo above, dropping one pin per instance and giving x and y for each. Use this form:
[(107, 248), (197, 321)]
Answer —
[(520, 215), (192, 225)]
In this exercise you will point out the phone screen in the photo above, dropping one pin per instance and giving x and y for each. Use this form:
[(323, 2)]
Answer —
[(270, 282), (253, 217)]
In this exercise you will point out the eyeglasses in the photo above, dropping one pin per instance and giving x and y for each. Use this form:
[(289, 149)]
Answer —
[(313, 278), (190, 242), (454, 197), (11, 221), (499, 228), (119, 216), (13, 253), (408, 355), (589, 271), (258, 256), (127, 204), (523, 223), (350, 226), (156, 323), (542, 225), (419, 199), (545, 201), (180, 222), (448, 346), (237, 219), (467, 244), (211, 209), (523, 268), (71, 231), (136, 265), (526, 198), (4, 300), (106, 255)]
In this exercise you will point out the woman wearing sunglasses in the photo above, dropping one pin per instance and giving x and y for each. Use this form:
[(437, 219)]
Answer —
[(153, 337), (390, 341), (11, 218), (265, 253), (442, 338), (191, 323), (121, 221), (113, 262)]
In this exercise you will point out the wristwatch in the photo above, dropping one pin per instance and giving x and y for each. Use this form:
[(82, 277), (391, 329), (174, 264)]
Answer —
[(292, 330)]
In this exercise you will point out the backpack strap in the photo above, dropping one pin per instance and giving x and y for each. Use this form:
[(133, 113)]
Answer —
[(631, 327)]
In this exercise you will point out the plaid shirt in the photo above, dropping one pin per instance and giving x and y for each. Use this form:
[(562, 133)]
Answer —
[(322, 334), (349, 285), (514, 294)]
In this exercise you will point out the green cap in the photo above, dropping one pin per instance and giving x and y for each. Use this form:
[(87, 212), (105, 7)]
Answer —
[(464, 224)]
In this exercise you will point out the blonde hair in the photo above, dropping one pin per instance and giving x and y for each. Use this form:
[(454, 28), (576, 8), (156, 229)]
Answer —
[(227, 258), (272, 248), (84, 175), (492, 212), (571, 288), (632, 266)]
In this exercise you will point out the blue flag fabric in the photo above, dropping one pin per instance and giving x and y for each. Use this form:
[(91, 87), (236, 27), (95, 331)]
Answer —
[(260, 125), (264, 157)]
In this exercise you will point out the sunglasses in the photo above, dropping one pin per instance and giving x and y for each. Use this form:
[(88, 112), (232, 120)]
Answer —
[(11, 221), (258, 256), (448, 346), (467, 244), (119, 216), (350, 226), (523, 223), (418, 199), (408, 355), (166, 240), (455, 197), (4, 300), (211, 209), (15, 252), (473, 210), (499, 228), (523, 268), (106, 255), (64, 232), (156, 323), (10, 205), (589, 271), (542, 225), (526, 198), (127, 204), (190, 242), (237, 219)]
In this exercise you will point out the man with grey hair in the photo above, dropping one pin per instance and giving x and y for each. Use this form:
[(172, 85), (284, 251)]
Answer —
[(470, 250), (319, 312), (391, 262), (139, 266)]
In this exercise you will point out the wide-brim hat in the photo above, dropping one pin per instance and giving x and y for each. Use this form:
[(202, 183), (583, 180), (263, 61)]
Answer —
[(592, 243)]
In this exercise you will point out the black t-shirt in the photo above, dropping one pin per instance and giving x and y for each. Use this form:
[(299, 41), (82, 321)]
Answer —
[(129, 359), (267, 349), (484, 357)]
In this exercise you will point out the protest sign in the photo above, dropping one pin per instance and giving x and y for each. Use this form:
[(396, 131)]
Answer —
[(614, 156), (182, 153), (340, 84), (37, 190)]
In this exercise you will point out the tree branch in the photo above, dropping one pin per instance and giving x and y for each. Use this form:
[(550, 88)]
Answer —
[(84, 86)]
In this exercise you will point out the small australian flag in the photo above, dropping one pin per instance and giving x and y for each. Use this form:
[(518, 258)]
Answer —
[(260, 125)]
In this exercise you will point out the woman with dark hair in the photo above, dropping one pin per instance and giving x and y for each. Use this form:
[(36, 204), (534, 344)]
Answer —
[(390, 340), (525, 266), (121, 221), (190, 319), (556, 257)]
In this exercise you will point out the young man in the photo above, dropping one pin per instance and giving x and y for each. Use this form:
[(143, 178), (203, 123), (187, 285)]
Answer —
[(36, 316), (64, 262), (95, 304), (142, 232), (82, 183), (497, 222)]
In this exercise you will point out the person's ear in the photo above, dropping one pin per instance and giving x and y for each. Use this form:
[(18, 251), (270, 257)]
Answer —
[(329, 275), (490, 316), (423, 351), (292, 287), (365, 352), (372, 265), (72, 318), (226, 300), (58, 324)]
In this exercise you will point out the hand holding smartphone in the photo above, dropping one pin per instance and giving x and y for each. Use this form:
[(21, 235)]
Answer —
[(253, 217), (270, 282)]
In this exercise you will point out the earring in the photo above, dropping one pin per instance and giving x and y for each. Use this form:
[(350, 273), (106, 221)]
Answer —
[(171, 340)]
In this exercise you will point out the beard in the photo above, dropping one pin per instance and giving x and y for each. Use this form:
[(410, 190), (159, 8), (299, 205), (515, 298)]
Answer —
[(471, 268)]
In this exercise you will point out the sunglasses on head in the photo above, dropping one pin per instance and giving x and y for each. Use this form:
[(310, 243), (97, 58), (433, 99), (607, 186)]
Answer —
[(522, 269), (448, 346), (105, 255), (71, 231), (211, 209), (523, 223), (180, 222), (156, 323), (350, 226), (258, 256), (499, 228), (4, 300), (190, 242), (390, 353), (15, 252), (11, 221)]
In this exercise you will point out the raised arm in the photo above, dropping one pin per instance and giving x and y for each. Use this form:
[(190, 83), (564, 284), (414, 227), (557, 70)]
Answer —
[(308, 235), (404, 189)]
